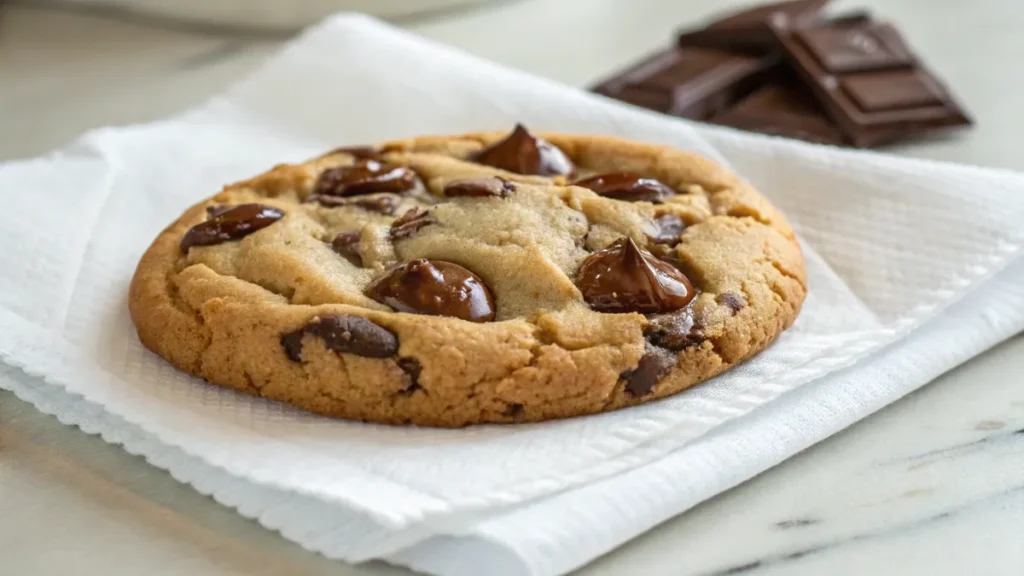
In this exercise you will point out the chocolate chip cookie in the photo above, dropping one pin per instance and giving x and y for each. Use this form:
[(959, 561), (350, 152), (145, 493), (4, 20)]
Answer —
[(489, 277)]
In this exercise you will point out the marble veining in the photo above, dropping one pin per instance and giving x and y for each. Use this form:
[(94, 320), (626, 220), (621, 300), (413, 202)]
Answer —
[(781, 559), (921, 488)]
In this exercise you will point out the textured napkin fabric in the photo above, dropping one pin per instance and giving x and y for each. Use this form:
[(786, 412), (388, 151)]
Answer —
[(893, 247)]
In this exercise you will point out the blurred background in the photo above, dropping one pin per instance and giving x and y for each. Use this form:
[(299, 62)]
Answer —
[(67, 66), (266, 14)]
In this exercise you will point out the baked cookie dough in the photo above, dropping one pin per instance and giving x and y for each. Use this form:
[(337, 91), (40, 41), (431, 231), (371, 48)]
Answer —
[(487, 277)]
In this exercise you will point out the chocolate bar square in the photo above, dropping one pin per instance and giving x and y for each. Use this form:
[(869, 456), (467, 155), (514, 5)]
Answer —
[(856, 47), (892, 90), (867, 81), (691, 83)]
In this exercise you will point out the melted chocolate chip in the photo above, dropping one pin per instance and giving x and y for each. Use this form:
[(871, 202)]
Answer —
[(343, 334), (524, 153), (230, 224), (385, 204), (668, 228), (408, 223), (346, 244), (412, 369), (735, 302), (436, 288), (484, 186), (366, 177), (674, 331), (624, 278), (627, 186), (652, 367)]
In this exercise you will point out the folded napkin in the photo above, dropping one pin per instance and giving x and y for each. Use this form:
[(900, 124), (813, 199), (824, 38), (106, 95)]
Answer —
[(913, 267)]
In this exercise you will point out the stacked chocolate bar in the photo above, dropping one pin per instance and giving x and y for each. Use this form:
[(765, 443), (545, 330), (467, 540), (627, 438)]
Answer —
[(788, 69)]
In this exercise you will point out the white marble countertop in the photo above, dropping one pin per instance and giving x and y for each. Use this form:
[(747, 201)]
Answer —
[(931, 485)]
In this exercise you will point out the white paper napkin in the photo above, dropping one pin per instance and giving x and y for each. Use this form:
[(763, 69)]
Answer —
[(891, 245)]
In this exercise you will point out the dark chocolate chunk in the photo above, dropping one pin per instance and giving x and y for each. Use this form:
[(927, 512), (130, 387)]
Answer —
[(482, 186), (748, 30), (667, 229), (887, 95), (366, 177), (782, 108), (654, 365), (346, 244), (627, 186), (693, 83), (675, 330), (436, 288), (624, 278), (354, 335), (385, 204), (231, 224), (343, 334), (735, 302), (515, 411), (523, 153), (412, 369), (408, 223), (292, 344)]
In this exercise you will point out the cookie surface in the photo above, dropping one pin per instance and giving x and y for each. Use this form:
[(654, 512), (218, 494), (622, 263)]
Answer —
[(490, 277)]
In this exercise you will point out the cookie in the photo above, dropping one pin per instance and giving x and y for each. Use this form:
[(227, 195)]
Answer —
[(487, 277)]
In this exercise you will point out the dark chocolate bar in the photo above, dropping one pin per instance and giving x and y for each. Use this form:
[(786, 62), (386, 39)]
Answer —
[(789, 70), (748, 30), (694, 83), (868, 81), (782, 108)]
